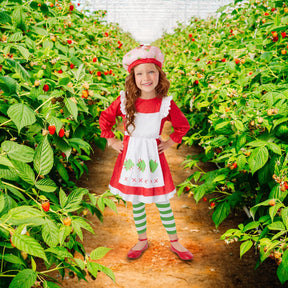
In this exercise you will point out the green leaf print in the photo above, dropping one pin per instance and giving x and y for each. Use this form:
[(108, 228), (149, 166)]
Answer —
[(128, 164), (141, 165), (153, 165)]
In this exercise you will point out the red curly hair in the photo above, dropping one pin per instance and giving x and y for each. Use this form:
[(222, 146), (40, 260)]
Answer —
[(132, 92)]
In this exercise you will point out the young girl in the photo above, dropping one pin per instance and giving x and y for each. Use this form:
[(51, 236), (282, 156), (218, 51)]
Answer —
[(141, 174)]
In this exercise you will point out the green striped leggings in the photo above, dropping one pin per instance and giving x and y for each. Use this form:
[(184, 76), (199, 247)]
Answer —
[(166, 215)]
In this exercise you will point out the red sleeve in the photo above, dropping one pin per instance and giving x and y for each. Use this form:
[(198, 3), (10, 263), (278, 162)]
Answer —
[(108, 118), (179, 122)]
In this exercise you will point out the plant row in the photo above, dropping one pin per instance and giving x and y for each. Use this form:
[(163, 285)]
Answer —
[(229, 75), (59, 68)]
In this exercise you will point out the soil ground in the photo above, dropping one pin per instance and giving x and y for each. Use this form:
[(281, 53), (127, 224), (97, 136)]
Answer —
[(215, 263)]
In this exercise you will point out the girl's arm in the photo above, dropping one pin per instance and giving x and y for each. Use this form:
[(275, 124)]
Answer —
[(108, 119), (180, 125), (106, 122), (179, 122)]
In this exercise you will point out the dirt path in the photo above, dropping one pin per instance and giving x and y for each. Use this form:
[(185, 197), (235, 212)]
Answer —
[(214, 265)]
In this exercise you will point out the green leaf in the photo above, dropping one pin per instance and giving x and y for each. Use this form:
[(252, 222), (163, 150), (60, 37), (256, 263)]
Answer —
[(8, 85), (18, 36), (48, 44), (274, 147), (5, 18), (241, 141), (257, 143), (80, 263), (99, 253), (30, 44), (25, 214), (59, 252), (33, 264), (24, 171), (258, 158), (71, 107), (284, 215), (79, 143), (22, 115), (245, 246), (79, 223), (46, 185), (80, 73), (39, 31), (200, 191), (64, 81), (5, 161), (220, 213), (62, 145), (101, 204), (19, 17), (24, 279), (74, 199), (49, 284), (2, 202), (250, 226), (111, 204), (93, 268), (28, 244), (241, 162), (267, 56), (19, 69), (276, 226), (254, 208), (76, 61), (223, 128), (18, 152), (276, 122), (9, 203), (276, 193), (239, 126), (273, 210), (62, 172), (14, 259), (107, 271), (61, 47), (63, 198), (25, 53), (282, 271), (50, 233), (8, 174), (43, 159), (219, 178)]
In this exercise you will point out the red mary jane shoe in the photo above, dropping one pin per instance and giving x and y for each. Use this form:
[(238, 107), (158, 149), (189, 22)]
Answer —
[(187, 255), (134, 254)]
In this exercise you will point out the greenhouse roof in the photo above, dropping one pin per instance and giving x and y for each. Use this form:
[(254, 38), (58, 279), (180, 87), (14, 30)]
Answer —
[(147, 20)]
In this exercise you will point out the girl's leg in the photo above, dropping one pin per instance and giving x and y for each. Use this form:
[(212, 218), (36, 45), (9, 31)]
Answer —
[(168, 221), (139, 215)]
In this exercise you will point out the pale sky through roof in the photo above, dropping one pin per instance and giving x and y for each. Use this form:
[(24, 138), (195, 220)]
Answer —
[(146, 20)]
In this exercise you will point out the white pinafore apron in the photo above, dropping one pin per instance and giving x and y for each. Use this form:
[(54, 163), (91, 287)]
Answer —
[(142, 165)]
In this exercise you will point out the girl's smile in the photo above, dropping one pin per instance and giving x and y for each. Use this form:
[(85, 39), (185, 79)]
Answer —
[(147, 79)]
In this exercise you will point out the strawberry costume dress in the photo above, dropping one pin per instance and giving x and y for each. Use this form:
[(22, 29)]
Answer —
[(141, 174)]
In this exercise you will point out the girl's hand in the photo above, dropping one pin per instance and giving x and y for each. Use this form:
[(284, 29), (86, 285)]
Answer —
[(165, 145), (116, 144)]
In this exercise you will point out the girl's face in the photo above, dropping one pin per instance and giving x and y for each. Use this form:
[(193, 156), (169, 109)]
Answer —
[(146, 78)]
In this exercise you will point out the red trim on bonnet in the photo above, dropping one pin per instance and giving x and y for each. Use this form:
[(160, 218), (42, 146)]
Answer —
[(146, 60)]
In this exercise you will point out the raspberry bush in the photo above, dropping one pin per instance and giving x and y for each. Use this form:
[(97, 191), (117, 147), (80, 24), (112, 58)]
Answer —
[(59, 67), (229, 75)]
